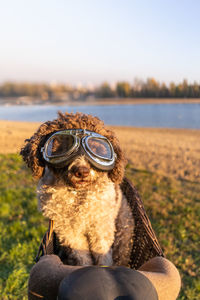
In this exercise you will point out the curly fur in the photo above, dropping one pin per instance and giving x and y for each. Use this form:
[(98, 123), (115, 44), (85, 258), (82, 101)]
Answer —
[(90, 214), (84, 218), (31, 151)]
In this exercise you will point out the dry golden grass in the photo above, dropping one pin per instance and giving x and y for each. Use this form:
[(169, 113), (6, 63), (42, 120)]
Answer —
[(170, 152), (13, 134)]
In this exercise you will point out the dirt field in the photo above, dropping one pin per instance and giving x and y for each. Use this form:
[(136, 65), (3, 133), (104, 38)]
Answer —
[(166, 151)]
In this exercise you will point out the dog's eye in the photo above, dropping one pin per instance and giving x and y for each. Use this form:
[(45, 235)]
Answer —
[(60, 145)]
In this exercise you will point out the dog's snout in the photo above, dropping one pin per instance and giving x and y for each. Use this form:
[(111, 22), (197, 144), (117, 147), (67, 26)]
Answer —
[(81, 171)]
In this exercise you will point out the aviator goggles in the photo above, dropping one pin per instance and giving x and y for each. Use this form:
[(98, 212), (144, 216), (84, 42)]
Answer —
[(62, 146)]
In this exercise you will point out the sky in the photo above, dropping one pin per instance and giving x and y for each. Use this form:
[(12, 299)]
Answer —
[(91, 41)]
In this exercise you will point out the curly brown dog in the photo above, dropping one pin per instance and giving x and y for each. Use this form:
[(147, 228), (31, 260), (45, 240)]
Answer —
[(79, 174)]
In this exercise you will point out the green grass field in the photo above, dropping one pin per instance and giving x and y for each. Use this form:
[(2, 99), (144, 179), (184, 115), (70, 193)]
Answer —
[(173, 207)]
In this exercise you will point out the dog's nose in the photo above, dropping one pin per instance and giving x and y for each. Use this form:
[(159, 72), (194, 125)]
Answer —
[(80, 172)]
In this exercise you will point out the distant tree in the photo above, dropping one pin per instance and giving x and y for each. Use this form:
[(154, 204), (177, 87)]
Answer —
[(8, 89), (195, 90), (123, 89), (172, 89), (152, 87), (163, 91), (137, 87), (105, 91), (185, 88), (178, 91)]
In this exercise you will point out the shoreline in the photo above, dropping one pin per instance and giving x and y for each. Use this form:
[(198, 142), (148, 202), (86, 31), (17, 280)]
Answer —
[(169, 152), (98, 101)]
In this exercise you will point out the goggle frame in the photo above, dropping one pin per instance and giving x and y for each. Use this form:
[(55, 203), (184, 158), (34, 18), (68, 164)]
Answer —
[(80, 137)]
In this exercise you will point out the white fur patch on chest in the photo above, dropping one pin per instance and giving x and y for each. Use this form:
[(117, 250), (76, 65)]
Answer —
[(84, 219)]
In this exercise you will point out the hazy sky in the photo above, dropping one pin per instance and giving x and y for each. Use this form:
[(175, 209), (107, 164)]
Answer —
[(90, 41)]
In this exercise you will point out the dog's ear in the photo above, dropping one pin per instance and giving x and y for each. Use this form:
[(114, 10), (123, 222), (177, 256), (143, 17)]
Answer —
[(117, 173), (32, 156)]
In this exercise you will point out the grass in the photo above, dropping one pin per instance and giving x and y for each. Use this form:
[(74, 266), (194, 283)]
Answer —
[(173, 207), (21, 227)]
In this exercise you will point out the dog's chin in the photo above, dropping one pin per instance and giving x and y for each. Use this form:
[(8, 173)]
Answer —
[(79, 183)]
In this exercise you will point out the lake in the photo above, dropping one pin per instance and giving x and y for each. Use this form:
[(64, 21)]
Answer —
[(173, 115)]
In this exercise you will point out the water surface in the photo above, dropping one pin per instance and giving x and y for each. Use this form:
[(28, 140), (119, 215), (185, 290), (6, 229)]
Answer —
[(173, 115)]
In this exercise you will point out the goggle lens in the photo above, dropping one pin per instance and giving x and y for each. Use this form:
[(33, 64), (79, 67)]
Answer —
[(60, 145), (99, 147)]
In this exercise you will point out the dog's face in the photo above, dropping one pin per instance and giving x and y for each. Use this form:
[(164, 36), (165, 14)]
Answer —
[(79, 174)]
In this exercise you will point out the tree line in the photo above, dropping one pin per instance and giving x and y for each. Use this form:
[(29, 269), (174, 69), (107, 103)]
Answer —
[(149, 88)]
